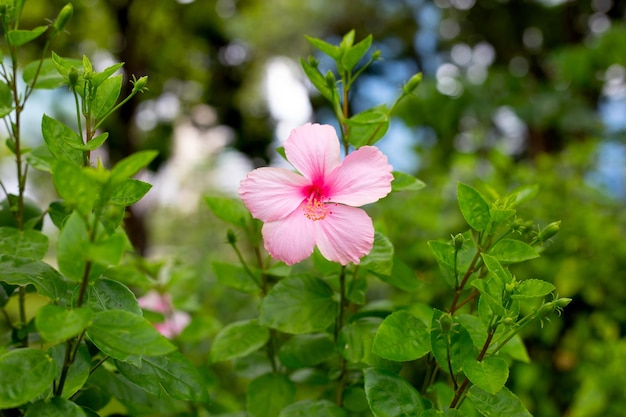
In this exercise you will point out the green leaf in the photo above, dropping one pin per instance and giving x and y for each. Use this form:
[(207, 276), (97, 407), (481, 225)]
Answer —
[(497, 269), (107, 250), (238, 339), (356, 291), (93, 144), (123, 335), (368, 126), (58, 136), (302, 351), (503, 403), (54, 407), (402, 276), (100, 77), (235, 276), (511, 251), (48, 77), (106, 96), (229, 210), (41, 159), (129, 192), (402, 337), (137, 401), (23, 243), (71, 256), (473, 206), (453, 348), (522, 195), (132, 164), (24, 375), (57, 324), (63, 65), (20, 37), (491, 290), (532, 288), (489, 374), (6, 99), (107, 294), (405, 182), (355, 340), (380, 258), (78, 372), (309, 408), (498, 215), (389, 395), (300, 304), (268, 394), (445, 255), (318, 80), (24, 271), (329, 49), (78, 189), (353, 55), (170, 375)]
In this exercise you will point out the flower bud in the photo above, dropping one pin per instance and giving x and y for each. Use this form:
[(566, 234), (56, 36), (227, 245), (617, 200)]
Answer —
[(445, 323), (549, 231), (556, 305), (413, 83), (231, 237), (330, 79), (139, 86), (72, 77), (511, 286), (63, 17), (507, 321), (376, 55), (458, 241)]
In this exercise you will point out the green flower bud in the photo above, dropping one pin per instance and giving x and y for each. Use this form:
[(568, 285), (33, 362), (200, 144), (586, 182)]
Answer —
[(231, 237), (445, 323), (63, 17), (549, 231), (330, 79), (508, 321), (458, 241), (510, 286), (552, 306), (139, 85), (72, 77), (376, 55), (413, 83)]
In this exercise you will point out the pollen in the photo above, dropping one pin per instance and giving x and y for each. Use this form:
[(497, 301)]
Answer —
[(315, 209)]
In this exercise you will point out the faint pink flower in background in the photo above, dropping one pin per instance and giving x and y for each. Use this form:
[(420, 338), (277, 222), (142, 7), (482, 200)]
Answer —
[(318, 206), (174, 322)]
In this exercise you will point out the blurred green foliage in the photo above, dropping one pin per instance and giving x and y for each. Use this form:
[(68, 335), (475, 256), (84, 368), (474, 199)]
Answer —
[(554, 87)]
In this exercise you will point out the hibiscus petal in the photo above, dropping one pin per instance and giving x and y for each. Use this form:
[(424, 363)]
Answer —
[(272, 193), (345, 235), (363, 177), (313, 150), (290, 239)]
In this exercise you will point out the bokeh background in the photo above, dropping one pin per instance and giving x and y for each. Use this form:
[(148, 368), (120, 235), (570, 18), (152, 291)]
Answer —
[(514, 93)]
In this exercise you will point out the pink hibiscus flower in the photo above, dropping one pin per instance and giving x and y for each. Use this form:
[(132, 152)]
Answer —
[(318, 206)]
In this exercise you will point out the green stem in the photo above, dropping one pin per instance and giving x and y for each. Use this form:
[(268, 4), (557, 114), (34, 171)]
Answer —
[(460, 287), (245, 266), (120, 104), (58, 389), (22, 296), (458, 395)]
